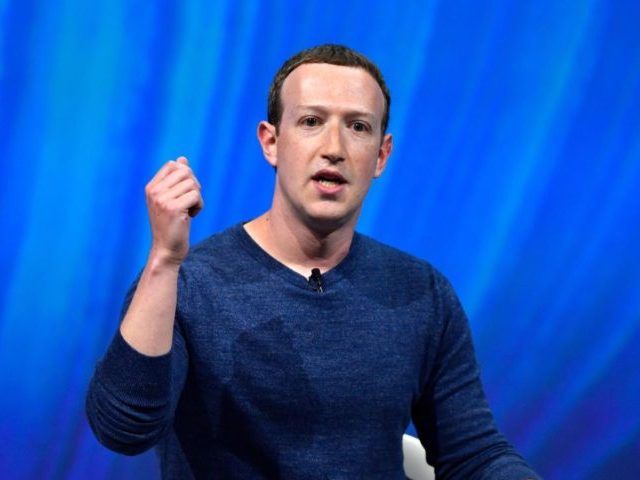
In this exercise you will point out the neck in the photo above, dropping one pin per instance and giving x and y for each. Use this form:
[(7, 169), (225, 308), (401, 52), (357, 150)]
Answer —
[(299, 246)]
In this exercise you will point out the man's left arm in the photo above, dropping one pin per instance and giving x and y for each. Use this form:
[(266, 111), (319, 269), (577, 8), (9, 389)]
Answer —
[(452, 415)]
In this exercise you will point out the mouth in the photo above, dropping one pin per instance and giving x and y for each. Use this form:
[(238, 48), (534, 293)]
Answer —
[(329, 178)]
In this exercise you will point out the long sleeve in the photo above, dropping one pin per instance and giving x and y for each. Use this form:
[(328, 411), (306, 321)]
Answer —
[(132, 397), (452, 415)]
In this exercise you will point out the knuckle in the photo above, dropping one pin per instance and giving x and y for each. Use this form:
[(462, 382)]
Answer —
[(162, 204), (153, 191)]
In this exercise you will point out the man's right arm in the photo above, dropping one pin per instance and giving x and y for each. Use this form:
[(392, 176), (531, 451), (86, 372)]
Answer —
[(134, 389), (173, 197)]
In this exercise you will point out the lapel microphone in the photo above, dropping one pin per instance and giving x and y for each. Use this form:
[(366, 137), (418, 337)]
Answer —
[(315, 280)]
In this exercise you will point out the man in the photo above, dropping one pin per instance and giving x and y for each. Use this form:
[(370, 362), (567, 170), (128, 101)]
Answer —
[(290, 346)]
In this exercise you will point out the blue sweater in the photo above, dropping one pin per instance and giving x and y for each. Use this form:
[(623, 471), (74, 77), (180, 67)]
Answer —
[(270, 378)]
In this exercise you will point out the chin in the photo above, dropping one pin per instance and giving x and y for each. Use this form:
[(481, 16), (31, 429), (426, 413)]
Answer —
[(329, 221)]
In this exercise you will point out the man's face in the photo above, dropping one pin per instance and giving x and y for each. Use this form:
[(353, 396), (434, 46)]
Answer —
[(329, 146)]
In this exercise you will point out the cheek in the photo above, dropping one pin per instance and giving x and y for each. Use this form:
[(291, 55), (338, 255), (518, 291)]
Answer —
[(290, 168), (293, 149), (368, 160), (368, 145)]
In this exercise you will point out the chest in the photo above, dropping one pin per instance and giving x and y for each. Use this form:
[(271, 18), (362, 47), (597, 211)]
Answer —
[(307, 354)]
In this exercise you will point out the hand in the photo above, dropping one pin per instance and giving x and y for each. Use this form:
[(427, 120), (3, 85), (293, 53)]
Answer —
[(173, 198)]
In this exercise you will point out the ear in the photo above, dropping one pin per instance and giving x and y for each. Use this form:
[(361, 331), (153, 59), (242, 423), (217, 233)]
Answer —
[(383, 154), (267, 137)]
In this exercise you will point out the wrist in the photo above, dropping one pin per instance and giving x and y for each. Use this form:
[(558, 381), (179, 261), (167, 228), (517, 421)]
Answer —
[(160, 260)]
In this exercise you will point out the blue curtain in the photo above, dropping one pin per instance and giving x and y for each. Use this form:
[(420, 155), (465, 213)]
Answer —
[(515, 171)]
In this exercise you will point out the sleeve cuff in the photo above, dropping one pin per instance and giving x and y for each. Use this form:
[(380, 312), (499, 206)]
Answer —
[(133, 374)]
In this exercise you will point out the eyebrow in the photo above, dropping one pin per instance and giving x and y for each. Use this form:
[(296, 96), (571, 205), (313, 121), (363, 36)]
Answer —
[(348, 113)]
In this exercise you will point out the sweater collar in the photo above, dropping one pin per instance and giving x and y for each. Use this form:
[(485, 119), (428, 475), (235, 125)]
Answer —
[(330, 278)]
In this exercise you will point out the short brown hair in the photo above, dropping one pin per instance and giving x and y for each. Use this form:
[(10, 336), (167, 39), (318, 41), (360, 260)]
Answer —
[(333, 55)]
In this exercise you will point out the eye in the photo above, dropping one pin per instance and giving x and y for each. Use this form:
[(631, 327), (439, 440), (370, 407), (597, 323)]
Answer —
[(360, 126), (310, 121)]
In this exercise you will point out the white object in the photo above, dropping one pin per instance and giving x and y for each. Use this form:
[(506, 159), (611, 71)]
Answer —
[(415, 460)]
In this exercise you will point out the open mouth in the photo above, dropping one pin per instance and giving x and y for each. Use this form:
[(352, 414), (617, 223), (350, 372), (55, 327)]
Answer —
[(329, 178)]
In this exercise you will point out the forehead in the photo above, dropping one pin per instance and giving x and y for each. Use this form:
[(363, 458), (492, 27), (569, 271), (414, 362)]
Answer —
[(332, 86)]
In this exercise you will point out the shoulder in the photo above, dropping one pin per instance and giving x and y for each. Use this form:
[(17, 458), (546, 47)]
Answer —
[(401, 272), (213, 245), (219, 255), (393, 261)]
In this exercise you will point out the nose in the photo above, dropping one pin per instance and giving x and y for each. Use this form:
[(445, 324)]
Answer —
[(334, 149)]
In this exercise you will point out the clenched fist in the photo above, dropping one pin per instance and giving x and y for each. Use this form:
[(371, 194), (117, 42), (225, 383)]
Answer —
[(173, 197)]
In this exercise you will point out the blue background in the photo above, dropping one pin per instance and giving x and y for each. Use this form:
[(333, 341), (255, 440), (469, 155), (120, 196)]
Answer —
[(516, 172)]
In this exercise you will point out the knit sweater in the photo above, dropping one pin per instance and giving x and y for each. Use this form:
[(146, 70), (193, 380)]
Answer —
[(270, 376)]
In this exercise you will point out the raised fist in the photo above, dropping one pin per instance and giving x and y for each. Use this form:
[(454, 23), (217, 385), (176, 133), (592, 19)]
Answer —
[(173, 198)]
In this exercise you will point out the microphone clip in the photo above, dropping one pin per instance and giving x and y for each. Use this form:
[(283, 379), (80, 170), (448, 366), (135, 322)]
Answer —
[(315, 280)]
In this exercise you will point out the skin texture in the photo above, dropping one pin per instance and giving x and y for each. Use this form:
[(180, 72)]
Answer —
[(331, 121)]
